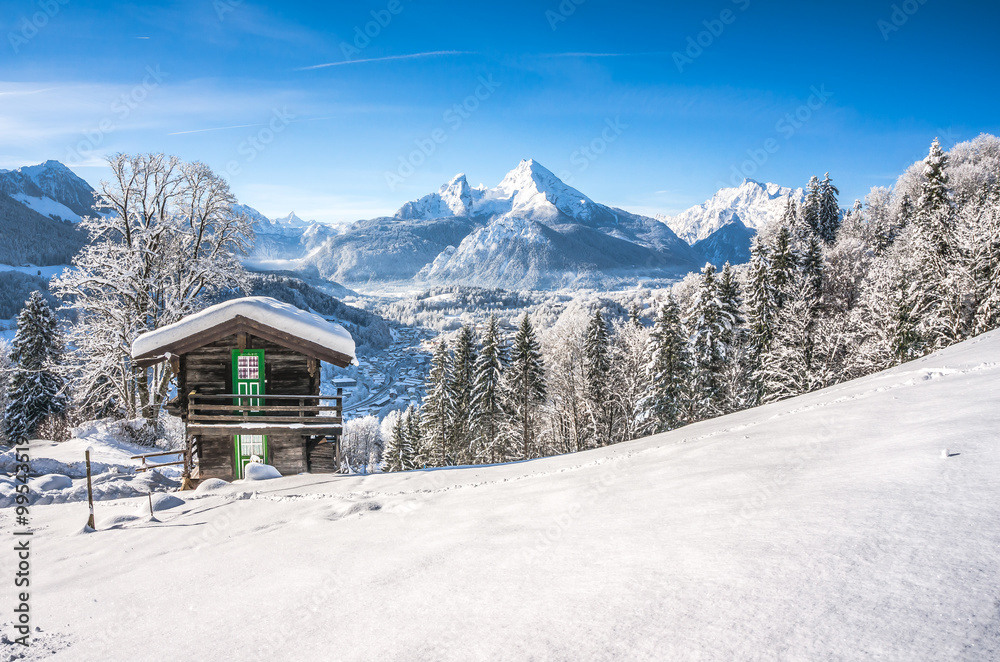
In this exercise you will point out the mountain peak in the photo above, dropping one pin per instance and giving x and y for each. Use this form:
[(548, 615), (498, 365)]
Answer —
[(752, 203)]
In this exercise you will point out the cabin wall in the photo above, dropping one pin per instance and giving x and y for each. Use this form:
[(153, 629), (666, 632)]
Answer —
[(208, 370), (216, 456), (290, 454)]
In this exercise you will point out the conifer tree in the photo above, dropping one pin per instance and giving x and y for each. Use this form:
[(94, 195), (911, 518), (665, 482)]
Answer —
[(669, 369), (906, 211), (829, 210), (6, 369), (414, 444), (934, 208), (635, 314), (762, 313), (35, 389), (524, 386), (812, 270), (762, 307), (812, 206), (787, 368), (783, 265), (487, 405), (731, 299), (463, 377), (707, 326), (398, 456), (438, 409), (597, 367)]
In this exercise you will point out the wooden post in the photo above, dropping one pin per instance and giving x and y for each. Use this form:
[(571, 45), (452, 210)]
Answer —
[(90, 495), (150, 495), (188, 462), (337, 453)]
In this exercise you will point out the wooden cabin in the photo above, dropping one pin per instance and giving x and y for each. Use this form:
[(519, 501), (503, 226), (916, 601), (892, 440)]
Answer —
[(248, 386)]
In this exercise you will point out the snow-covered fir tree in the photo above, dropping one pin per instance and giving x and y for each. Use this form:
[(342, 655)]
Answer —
[(811, 205), (934, 208), (829, 210), (731, 298), (35, 388), (981, 229), (487, 403), (6, 370), (762, 313), (635, 314), (597, 366), (669, 369), (811, 266), (524, 388), (419, 455), (397, 455), (707, 325), (783, 264), (787, 368), (438, 409), (463, 377)]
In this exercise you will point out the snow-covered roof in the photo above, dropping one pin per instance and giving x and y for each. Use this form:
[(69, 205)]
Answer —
[(264, 311)]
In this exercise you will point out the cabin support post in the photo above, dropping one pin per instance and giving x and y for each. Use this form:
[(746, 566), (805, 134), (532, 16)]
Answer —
[(188, 461)]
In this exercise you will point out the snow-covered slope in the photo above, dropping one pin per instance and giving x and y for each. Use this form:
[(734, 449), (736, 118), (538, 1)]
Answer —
[(730, 243), (827, 527), (752, 203), (531, 231)]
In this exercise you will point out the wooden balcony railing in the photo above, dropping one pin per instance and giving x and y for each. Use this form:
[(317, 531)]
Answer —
[(278, 410)]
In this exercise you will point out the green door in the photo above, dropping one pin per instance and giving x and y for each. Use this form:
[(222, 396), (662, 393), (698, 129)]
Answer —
[(248, 379)]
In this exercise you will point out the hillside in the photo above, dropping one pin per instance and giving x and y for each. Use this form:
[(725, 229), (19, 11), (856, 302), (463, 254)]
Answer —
[(826, 527), (27, 237)]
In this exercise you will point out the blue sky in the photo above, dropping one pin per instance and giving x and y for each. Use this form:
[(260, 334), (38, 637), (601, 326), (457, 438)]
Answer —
[(591, 89)]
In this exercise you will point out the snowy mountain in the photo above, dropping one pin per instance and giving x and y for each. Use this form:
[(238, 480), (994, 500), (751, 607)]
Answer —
[(284, 239), (752, 204), (730, 243), (531, 231), (50, 189), (825, 527), (39, 207)]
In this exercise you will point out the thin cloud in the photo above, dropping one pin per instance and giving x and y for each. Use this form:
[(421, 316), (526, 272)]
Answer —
[(218, 128), (389, 58)]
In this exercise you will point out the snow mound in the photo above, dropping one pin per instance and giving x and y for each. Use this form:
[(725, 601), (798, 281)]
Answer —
[(50, 482), (264, 310), (161, 502), (211, 485), (120, 520), (257, 471)]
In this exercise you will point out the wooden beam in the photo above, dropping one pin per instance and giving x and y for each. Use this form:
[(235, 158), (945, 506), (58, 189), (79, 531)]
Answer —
[(305, 431)]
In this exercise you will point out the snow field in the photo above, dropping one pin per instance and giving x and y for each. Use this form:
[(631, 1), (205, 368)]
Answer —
[(823, 527)]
